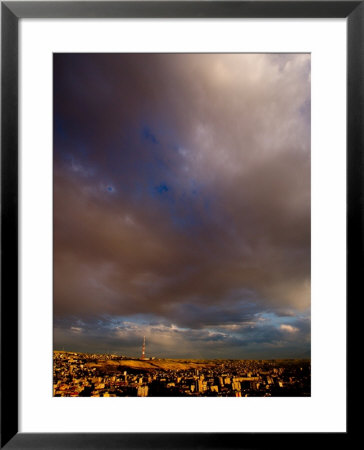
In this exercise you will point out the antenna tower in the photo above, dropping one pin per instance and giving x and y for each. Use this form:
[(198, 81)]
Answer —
[(143, 349)]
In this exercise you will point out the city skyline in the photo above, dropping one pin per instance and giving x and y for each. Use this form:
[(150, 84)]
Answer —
[(182, 205), (91, 375)]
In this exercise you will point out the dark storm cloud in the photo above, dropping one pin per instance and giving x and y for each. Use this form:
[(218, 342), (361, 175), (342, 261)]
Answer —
[(181, 193)]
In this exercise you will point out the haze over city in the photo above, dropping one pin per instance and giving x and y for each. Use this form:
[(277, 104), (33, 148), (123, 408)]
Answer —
[(182, 205)]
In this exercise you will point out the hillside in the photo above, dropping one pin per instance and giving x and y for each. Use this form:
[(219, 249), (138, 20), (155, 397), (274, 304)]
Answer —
[(160, 364)]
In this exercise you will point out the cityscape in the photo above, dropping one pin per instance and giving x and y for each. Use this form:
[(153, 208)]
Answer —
[(109, 375)]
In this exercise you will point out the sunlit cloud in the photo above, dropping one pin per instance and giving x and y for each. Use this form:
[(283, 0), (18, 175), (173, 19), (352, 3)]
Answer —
[(288, 328)]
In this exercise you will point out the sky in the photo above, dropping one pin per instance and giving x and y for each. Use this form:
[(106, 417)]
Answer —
[(182, 204)]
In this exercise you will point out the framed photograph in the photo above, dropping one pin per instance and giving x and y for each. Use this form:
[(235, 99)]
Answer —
[(181, 217)]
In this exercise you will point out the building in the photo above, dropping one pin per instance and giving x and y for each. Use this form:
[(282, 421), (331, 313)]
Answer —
[(142, 391)]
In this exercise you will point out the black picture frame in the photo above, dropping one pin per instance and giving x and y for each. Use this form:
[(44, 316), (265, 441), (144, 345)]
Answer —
[(11, 12)]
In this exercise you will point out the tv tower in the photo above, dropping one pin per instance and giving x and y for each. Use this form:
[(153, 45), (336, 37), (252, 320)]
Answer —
[(143, 349)]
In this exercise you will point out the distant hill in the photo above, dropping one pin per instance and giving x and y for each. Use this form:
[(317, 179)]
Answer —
[(160, 364), (104, 362)]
